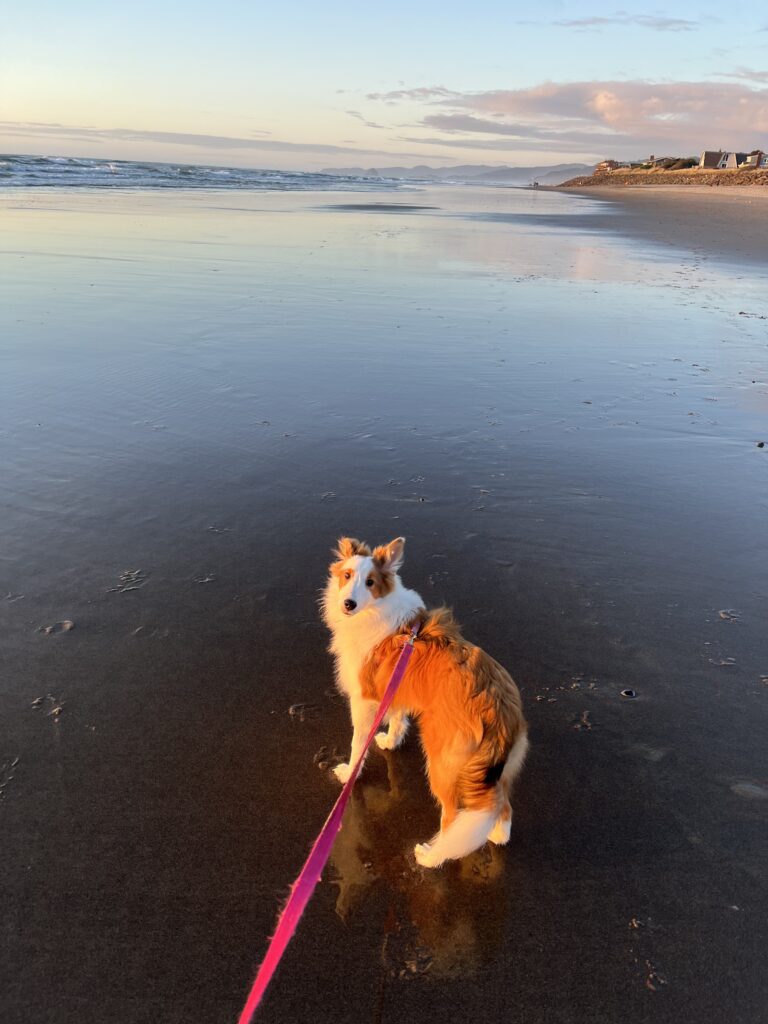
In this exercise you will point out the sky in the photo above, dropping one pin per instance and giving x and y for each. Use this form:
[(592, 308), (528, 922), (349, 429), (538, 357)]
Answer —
[(308, 85)]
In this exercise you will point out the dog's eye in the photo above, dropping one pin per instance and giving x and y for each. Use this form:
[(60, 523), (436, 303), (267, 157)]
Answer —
[(347, 575), (369, 583)]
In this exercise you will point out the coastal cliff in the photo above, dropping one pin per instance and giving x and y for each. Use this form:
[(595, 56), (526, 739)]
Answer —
[(657, 176)]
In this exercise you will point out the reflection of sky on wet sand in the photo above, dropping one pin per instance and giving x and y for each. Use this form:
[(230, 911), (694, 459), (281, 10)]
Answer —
[(517, 234), (165, 327)]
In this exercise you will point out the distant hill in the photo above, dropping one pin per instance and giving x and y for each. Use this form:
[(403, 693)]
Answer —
[(553, 174)]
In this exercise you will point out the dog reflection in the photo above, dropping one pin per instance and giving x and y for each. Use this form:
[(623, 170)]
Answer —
[(445, 923)]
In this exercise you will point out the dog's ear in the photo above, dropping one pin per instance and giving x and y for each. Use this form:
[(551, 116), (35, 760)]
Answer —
[(389, 557), (349, 546)]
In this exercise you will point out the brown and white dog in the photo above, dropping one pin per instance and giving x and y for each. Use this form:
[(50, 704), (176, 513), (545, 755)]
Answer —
[(470, 714)]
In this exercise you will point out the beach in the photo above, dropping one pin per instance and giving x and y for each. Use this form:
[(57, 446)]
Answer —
[(561, 401), (714, 224)]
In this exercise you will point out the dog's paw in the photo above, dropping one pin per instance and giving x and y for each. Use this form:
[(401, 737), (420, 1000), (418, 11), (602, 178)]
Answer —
[(500, 832), (384, 741), (424, 856), (342, 772)]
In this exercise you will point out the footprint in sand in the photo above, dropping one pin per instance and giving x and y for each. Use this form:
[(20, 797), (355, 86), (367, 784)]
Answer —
[(58, 627), (54, 705), (130, 579), (750, 790), (303, 711), (327, 758), (7, 773), (148, 632)]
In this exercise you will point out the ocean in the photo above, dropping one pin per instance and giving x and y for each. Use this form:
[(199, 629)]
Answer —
[(86, 172)]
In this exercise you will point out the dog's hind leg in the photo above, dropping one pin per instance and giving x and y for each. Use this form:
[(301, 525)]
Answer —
[(502, 828), (443, 785), (396, 731), (461, 830)]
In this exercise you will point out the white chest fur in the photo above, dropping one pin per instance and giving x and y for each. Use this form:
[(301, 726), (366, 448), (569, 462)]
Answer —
[(355, 636)]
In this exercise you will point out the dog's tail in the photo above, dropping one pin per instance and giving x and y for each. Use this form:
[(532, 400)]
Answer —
[(515, 760)]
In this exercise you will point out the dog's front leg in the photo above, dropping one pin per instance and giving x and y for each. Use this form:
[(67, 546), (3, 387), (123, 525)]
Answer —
[(396, 731), (363, 713)]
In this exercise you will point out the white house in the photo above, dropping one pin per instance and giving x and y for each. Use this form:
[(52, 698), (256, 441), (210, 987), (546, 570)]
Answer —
[(735, 160), (718, 160)]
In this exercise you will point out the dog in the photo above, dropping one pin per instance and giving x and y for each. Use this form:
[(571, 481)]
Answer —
[(470, 715)]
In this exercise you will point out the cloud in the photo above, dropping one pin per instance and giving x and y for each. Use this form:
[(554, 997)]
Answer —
[(419, 95), (524, 131), (747, 75), (453, 123), (511, 146), (41, 130), (657, 23), (633, 106), (359, 117), (624, 117)]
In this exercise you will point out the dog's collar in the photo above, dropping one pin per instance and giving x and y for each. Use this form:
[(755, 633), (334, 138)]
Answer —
[(414, 632)]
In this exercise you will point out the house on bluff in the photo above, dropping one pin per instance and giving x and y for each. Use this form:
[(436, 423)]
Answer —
[(720, 160)]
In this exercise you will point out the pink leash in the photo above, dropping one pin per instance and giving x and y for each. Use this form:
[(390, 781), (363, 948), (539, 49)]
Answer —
[(304, 886)]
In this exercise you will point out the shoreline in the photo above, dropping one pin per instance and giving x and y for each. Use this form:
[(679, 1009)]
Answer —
[(675, 188)]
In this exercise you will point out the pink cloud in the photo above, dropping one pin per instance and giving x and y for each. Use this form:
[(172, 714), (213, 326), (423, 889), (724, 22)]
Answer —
[(642, 108), (632, 115)]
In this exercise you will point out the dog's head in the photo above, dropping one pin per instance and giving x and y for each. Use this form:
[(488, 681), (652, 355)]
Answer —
[(364, 576)]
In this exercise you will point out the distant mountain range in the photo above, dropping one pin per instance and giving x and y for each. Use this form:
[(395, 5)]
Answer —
[(553, 174)]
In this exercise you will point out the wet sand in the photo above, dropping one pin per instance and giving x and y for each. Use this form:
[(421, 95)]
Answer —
[(199, 393), (726, 223)]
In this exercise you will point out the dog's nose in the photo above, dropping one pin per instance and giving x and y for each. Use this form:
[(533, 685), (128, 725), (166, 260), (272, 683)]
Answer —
[(350, 605)]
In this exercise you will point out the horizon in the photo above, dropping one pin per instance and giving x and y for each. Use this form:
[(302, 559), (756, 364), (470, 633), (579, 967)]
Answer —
[(232, 87), (254, 167)]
